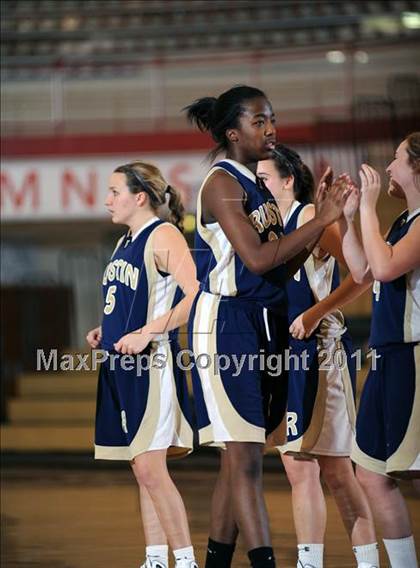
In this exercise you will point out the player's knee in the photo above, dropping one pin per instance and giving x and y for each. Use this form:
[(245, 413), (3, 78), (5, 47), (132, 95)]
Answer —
[(297, 478), (302, 473), (147, 476), (373, 482), (334, 478), (251, 469)]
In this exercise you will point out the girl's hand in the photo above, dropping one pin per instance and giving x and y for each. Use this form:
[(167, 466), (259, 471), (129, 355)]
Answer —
[(352, 204), (371, 185), (133, 343), (304, 325), (329, 203), (94, 337), (323, 186)]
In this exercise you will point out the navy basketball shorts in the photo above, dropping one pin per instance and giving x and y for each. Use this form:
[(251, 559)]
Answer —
[(321, 410), (388, 421), (240, 388), (142, 408)]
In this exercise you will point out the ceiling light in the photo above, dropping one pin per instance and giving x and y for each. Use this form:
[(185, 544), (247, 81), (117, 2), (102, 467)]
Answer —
[(361, 57), (335, 57), (411, 20)]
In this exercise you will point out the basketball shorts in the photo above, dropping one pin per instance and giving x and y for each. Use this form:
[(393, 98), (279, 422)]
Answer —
[(141, 409), (388, 421), (240, 388), (321, 397)]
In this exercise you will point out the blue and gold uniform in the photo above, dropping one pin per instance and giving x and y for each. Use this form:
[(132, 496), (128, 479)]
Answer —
[(237, 316), (322, 374), (388, 421), (144, 405)]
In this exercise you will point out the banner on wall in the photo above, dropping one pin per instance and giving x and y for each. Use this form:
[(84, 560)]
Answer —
[(76, 188), (71, 189)]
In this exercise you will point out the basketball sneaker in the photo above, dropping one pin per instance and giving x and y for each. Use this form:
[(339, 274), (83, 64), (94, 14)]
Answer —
[(184, 563), (150, 563)]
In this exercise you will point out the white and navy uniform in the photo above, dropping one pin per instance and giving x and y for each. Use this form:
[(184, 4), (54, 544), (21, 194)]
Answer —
[(141, 409), (388, 421), (237, 315), (321, 406)]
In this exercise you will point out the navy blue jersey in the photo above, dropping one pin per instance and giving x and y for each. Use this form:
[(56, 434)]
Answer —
[(396, 304), (135, 291), (220, 270), (316, 279)]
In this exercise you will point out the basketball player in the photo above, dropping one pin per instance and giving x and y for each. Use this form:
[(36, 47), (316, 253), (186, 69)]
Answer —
[(240, 313), (142, 407), (388, 422), (321, 410)]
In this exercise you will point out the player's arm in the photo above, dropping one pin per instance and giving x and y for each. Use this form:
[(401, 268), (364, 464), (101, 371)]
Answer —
[(330, 240), (306, 323), (386, 262), (172, 255), (351, 244), (389, 262), (223, 201)]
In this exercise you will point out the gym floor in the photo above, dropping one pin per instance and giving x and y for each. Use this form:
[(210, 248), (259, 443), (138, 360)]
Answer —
[(88, 517)]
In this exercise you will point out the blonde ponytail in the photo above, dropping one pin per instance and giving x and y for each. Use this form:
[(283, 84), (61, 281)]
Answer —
[(142, 176), (176, 208)]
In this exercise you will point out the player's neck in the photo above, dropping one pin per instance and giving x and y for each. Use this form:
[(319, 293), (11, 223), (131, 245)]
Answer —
[(239, 156), (413, 201), (285, 203), (140, 220)]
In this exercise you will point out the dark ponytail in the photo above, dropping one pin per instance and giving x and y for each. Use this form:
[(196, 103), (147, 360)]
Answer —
[(218, 115), (289, 163), (200, 112)]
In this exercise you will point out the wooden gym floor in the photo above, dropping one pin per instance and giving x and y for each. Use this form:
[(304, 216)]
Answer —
[(56, 517)]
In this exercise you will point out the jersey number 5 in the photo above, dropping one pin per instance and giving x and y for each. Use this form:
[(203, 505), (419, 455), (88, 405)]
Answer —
[(110, 300)]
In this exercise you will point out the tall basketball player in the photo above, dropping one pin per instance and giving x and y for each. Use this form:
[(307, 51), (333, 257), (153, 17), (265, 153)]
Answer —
[(240, 313)]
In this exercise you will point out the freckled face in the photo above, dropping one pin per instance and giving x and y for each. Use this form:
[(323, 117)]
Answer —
[(120, 202)]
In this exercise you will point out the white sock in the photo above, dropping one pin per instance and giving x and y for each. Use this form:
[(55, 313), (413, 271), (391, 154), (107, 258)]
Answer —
[(186, 553), (367, 555), (158, 552), (312, 554), (401, 552)]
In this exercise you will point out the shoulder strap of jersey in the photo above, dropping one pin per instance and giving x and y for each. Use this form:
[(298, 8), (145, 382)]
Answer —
[(397, 222), (294, 216), (413, 218), (232, 170), (154, 228), (228, 167), (117, 246)]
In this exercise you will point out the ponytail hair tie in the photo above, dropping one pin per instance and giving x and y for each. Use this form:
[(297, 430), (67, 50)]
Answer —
[(168, 189)]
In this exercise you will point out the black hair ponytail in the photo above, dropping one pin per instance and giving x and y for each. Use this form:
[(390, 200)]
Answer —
[(289, 163), (218, 115), (200, 112)]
